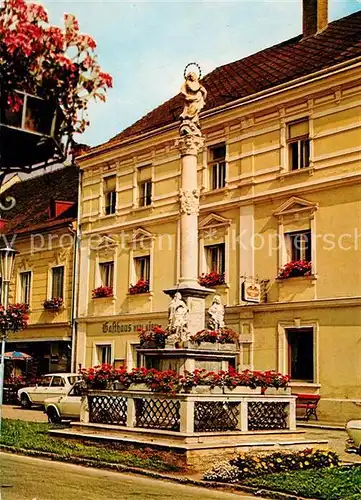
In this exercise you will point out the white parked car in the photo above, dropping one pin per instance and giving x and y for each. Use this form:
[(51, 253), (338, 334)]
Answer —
[(353, 429), (50, 385), (64, 407)]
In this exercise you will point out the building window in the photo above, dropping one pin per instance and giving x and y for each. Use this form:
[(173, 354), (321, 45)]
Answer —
[(110, 195), (299, 246), (57, 282), (142, 268), (217, 166), (301, 354), (25, 284), (144, 186), (298, 145), (104, 354), (107, 273), (215, 258), (145, 193)]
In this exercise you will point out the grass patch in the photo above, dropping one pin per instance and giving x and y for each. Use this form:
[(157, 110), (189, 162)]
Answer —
[(336, 483), (34, 436)]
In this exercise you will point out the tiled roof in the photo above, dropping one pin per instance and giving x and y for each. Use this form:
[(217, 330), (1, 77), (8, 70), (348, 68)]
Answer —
[(31, 211), (294, 58)]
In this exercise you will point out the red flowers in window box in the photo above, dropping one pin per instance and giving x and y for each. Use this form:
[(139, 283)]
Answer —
[(221, 336), (54, 304), (211, 279), (142, 286), (153, 338), (295, 268), (14, 318), (102, 291)]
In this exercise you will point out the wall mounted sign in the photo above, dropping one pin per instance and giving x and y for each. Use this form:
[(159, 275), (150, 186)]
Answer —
[(251, 292), (125, 327)]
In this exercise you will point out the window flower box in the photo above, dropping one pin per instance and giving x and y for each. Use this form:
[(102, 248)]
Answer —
[(277, 391), (295, 269), (54, 304), (142, 286), (102, 291), (212, 279)]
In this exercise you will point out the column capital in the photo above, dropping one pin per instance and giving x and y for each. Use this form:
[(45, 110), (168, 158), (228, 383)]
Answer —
[(190, 144)]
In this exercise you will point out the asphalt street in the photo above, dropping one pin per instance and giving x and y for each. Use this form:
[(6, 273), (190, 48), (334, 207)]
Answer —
[(25, 478)]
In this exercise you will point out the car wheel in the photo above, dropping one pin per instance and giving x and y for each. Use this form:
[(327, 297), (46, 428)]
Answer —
[(25, 401), (53, 417)]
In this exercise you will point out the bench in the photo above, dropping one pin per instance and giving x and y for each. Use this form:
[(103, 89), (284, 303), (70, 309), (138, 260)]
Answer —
[(308, 403)]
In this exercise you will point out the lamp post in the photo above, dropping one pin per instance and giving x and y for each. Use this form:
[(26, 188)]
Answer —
[(7, 257)]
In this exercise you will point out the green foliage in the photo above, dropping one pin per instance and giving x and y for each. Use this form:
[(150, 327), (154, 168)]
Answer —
[(34, 436), (339, 483)]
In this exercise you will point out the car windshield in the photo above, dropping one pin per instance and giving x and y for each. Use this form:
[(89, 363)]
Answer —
[(73, 378)]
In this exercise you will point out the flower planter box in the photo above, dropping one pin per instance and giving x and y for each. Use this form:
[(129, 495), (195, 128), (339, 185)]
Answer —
[(210, 346), (138, 387), (242, 389), (118, 386), (227, 347), (274, 391), (204, 389)]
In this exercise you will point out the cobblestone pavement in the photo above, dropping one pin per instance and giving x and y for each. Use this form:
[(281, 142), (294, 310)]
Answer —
[(336, 438)]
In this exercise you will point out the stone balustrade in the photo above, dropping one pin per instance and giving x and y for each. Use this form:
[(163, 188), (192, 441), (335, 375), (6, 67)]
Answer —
[(191, 412)]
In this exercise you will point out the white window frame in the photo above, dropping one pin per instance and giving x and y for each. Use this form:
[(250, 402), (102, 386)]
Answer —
[(289, 242), (301, 142), (142, 199), (217, 162), (19, 288), (140, 236), (96, 345), (102, 266), (50, 281), (208, 257), (104, 194)]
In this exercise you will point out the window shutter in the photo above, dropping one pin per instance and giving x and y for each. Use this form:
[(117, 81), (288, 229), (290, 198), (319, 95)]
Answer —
[(298, 129)]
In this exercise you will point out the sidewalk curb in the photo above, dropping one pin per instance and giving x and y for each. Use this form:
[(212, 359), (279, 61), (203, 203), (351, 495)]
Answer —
[(154, 475)]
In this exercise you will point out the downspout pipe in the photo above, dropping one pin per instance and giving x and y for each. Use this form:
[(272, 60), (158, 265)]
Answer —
[(75, 291)]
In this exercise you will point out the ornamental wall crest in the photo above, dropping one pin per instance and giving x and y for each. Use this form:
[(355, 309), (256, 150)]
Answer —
[(189, 201)]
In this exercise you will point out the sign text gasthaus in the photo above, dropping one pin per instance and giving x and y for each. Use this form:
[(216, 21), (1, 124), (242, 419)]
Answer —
[(123, 327)]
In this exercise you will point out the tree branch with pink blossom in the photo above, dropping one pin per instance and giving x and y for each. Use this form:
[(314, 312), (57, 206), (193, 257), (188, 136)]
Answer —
[(57, 64)]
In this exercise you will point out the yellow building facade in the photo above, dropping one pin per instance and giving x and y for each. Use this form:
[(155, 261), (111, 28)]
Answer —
[(279, 181), (42, 228)]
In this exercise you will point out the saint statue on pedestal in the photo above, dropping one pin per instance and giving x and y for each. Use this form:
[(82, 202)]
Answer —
[(216, 314), (177, 319), (195, 96)]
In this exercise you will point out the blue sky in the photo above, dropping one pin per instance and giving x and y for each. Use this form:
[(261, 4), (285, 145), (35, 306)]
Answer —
[(145, 45)]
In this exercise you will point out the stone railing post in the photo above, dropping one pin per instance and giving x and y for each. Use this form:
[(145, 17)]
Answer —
[(84, 409), (186, 413), (291, 420), (131, 412), (243, 416)]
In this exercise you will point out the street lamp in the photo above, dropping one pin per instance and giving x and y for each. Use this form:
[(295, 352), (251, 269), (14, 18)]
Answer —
[(7, 258)]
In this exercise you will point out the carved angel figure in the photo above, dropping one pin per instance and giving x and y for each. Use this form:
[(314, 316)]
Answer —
[(216, 314), (177, 319), (195, 97)]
